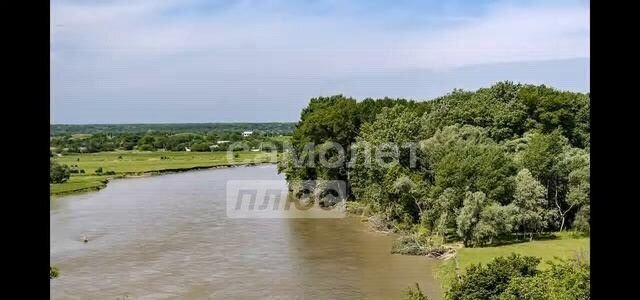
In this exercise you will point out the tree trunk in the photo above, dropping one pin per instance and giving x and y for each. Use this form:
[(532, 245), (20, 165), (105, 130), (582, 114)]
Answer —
[(530, 236), (562, 224)]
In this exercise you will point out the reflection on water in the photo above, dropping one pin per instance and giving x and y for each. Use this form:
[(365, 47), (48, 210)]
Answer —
[(168, 237)]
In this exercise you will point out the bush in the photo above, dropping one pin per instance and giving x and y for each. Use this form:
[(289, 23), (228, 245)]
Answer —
[(74, 171), (145, 147), (414, 294), (58, 173), (82, 171), (567, 280), (490, 280), (200, 147), (99, 170), (53, 272), (111, 172)]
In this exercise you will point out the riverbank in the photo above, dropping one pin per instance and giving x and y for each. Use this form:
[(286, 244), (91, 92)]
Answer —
[(123, 164), (560, 245), (454, 259)]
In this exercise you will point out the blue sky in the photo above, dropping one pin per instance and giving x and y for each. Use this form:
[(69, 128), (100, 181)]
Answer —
[(140, 61)]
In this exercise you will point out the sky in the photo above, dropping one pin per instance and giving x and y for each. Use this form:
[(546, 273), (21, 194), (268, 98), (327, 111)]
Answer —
[(174, 61)]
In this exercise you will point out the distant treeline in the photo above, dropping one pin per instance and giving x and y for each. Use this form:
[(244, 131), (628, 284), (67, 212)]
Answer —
[(169, 141), (273, 127)]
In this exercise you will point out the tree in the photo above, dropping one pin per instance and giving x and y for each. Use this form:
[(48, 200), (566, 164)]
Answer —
[(481, 220), (490, 280), (583, 219), (528, 203), (58, 173), (574, 167)]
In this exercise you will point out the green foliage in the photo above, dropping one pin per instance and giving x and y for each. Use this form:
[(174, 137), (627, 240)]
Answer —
[(567, 280), (467, 142), (53, 272), (146, 147), (481, 220), (200, 147), (528, 203), (490, 280), (173, 137), (414, 294), (58, 173)]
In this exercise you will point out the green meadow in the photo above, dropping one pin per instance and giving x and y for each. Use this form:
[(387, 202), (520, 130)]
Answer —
[(128, 163), (565, 245)]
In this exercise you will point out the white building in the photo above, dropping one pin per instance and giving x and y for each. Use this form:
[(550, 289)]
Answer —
[(247, 133)]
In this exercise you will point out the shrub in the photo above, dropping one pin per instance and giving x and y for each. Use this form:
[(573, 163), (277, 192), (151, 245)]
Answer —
[(490, 280), (567, 280), (145, 147), (414, 294), (110, 172), (58, 173), (53, 272), (99, 170)]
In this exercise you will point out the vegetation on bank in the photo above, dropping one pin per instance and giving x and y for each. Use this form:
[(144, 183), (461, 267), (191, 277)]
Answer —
[(53, 272), (548, 247), (479, 166), (91, 171), (517, 277)]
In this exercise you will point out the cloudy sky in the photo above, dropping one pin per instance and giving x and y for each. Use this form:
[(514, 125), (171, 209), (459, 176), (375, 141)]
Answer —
[(150, 61)]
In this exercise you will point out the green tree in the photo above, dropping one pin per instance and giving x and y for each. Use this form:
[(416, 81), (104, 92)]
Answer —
[(528, 203), (575, 171), (58, 173)]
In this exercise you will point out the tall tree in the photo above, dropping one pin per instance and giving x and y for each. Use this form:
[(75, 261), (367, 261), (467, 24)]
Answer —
[(529, 202)]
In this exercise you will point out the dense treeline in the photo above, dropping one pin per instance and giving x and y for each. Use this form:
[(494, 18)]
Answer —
[(273, 127), (160, 140), (470, 166)]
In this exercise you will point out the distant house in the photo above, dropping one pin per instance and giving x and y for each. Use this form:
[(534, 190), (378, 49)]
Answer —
[(247, 133), (255, 149), (213, 147), (222, 142), (82, 149)]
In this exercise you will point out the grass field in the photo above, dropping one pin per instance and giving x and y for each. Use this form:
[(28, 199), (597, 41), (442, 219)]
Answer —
[(134, 163), (563, 246)]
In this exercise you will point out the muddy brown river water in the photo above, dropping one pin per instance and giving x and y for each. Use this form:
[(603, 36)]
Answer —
[(169, 237)]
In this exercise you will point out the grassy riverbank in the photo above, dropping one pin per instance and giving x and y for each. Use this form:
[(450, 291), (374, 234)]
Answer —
[(561, 245), (128, 163)]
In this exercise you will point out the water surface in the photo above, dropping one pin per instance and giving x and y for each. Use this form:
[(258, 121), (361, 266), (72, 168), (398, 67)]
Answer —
[(168, 237)]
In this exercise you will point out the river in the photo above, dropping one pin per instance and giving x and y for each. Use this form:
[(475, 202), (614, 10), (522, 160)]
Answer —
[(169, 237)]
